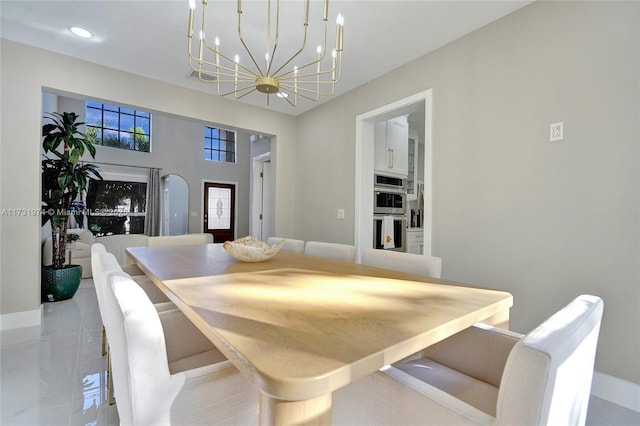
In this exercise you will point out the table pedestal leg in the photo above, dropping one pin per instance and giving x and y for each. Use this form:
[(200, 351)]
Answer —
[(499, 320), (276, 412)]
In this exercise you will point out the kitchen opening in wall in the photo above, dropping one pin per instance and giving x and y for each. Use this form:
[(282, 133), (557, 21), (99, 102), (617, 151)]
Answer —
[(394, 143)]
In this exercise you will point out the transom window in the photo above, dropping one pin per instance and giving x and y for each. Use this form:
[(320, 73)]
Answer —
[(219, 145), (118, 127)]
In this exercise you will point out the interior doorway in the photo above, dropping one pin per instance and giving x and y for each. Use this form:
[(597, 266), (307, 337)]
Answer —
[(262, 215), (175, 205), (219, 211), (364, 167)]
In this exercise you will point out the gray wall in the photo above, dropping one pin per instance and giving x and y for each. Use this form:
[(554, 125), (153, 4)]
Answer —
[(512, 211), (177, 148)]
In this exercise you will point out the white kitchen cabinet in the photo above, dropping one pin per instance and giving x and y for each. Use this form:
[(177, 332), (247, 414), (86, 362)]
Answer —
[(415, 240), (412, 172), (392, 146)]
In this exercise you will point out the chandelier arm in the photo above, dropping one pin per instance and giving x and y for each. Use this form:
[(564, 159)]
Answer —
[(289, 100), (306, 89), (253, 89), (316, 95), (300, 77), (275, 44), (304, 43), (250, 89), (249, 71), (303, 95), (324, 50), (242, 39), (247, 75)]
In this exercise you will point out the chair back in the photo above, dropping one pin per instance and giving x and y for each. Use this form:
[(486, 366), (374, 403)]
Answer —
[(141, 377), (289, 245), (547, 377), (180, 240), (331, 250), (406, 262), (98, 251), (118, 243)]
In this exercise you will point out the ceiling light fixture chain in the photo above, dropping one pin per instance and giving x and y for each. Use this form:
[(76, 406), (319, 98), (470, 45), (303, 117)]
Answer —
[(313, 79)]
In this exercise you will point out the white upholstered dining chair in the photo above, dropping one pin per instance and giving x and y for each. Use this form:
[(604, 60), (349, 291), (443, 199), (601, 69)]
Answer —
[(290, 244), (407, 262), (331, 250), (157, 297), (487, 376), (151, 388)]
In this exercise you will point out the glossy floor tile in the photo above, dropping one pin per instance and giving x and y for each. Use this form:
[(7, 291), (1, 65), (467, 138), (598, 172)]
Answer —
[(54, 374)]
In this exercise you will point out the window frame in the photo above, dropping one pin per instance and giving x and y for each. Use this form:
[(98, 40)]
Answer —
[(138, 116), (123, 177), (209, 148)]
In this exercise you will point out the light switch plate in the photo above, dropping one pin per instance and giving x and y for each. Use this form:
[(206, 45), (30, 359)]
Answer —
[(340, 214), (556, 132)]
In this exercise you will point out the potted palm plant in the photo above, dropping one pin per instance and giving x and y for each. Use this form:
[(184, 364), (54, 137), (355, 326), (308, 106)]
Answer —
[(63, 178)]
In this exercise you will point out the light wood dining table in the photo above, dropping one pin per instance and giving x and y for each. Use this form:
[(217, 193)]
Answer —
[(299, 326)]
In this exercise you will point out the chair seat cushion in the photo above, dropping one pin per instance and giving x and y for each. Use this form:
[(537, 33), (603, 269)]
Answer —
[(477, 393)]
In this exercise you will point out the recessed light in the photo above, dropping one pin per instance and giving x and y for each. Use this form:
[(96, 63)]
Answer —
[(81, 32)]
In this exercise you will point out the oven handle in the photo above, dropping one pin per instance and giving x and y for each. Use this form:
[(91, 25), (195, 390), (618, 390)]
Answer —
[(390, 189), (395, 216)]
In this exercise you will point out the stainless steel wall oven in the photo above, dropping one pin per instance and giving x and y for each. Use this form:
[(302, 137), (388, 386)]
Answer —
[(399, 232), (389, 195), (390, 199)]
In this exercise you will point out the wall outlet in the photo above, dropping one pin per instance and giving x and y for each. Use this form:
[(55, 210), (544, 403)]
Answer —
[(556, 132), (340, 214)]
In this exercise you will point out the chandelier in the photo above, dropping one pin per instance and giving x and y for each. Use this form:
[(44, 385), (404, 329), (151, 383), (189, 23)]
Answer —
[(268, 71)]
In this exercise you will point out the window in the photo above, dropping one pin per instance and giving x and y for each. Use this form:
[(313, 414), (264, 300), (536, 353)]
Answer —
[(118, 127), (116, 207), (219, 145)]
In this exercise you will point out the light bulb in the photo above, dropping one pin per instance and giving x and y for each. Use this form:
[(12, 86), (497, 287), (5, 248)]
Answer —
[(81, 32), (201, 35), (340, 19), (192, 4), (237, 59), (217, 41), (319, 49), (334, 53)]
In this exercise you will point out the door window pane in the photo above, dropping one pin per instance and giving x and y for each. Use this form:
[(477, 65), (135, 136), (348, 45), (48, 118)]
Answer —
[(219, 208)]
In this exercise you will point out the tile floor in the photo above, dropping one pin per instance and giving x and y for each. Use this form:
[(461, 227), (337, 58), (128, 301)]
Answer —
[(54, 374)]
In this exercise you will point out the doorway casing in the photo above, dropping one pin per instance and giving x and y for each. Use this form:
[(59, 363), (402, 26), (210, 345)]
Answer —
[(364, 150)]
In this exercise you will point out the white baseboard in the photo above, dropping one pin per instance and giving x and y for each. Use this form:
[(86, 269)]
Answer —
[(616, 390), (21, 319)]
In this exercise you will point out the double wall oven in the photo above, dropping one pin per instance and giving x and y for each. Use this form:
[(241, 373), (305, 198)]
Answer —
[(390, 199)]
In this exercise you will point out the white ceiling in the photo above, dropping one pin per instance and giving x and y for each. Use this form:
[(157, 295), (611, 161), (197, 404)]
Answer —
[(149, 37)]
